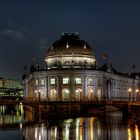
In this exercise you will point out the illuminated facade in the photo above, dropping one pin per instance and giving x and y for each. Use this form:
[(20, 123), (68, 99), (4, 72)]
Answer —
[(71, 75), (10, 89)]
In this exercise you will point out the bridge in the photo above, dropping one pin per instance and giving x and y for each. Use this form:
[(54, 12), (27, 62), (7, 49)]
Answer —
[(51, 108)]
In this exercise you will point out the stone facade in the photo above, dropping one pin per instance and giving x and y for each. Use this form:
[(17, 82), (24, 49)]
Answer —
[(71, 75), (71, 85)]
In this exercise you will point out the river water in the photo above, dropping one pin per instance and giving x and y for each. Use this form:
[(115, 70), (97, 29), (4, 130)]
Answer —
[(14, 126)]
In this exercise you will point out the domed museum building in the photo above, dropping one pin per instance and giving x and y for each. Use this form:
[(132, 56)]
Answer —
[(71, 74)]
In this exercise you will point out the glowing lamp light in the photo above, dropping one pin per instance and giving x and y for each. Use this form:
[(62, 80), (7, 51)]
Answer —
[(35, 91), (137, 90), (67, 45), (85, 46), (129, 90)]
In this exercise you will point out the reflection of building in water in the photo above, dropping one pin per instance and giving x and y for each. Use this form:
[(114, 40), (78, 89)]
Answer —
[(10, 88), (82, 129), (71, 74), (11, 114)]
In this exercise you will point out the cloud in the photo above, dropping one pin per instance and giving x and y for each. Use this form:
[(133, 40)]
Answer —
[(14, 31), (14, 34)]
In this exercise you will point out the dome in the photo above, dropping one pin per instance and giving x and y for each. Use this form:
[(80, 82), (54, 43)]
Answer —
[(70, 52), (70, 43)]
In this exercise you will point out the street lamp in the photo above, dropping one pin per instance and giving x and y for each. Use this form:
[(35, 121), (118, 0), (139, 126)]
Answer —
[(37, 92), (129, 92), (137, 94)]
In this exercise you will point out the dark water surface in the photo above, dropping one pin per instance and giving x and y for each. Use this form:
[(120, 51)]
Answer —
[(112, 127)]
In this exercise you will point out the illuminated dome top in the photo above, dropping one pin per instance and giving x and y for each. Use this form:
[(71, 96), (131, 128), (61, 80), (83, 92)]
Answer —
[(70, 52), (69, 43)]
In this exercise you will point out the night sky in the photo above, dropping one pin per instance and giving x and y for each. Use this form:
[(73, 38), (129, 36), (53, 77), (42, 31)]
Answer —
[(28, 27)]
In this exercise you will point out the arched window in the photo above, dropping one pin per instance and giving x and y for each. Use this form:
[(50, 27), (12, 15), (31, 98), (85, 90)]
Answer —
[(90, 94), (65, 94), (52, 94), (78, 93), (99, 93)]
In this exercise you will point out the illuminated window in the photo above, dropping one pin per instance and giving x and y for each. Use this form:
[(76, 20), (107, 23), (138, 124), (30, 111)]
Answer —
[(78, 80), (65, 80), (42, 82), (53, 94), (78, 93), (90, 80), (67, 63), (52, 81), (36, 82), (43, 92), (65, 94), (1, 83)]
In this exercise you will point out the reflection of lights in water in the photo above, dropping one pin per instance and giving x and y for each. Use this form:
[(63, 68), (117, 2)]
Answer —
[(137, 132), (2, 109), (67, 124), (39, 135), (36, 133), (68, 121), (20, 126), (42, 130), (79, 128), (77, 122), (129, 133), (53, 133), (82, 129), (21, 108), (67, 132), (98, 128), (91, 128)]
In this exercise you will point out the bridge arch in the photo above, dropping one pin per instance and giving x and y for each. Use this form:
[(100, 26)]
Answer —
[(100, 106)]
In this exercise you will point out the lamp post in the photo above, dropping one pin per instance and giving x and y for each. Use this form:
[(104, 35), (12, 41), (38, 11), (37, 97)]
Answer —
[(137, 94), (39, 91), (129, 93), (35, 93)]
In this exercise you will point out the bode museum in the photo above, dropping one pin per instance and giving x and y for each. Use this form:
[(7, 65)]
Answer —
[(71, 74)]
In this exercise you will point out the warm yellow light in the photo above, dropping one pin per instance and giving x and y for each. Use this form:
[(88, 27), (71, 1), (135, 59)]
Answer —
[(129, 90), (129, 133), (137, 132), (91, 128), (137, 90)]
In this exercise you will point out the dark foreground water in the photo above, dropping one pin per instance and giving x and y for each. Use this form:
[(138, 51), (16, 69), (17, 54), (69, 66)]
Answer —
[(112, 127)]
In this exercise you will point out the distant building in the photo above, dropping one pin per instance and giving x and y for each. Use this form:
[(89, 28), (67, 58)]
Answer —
[(10, 89), (71, 74)]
